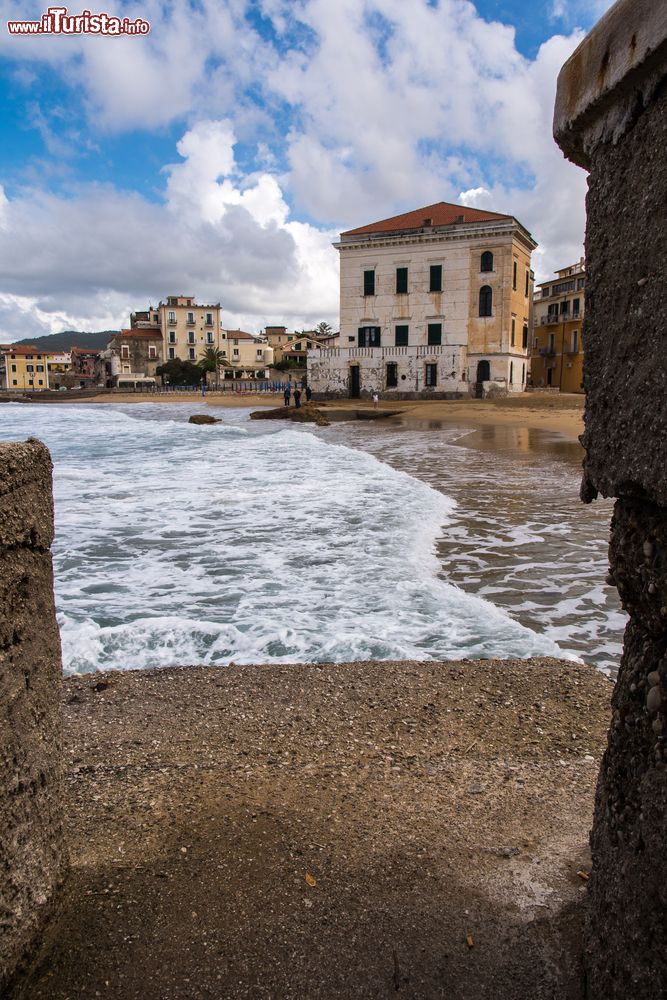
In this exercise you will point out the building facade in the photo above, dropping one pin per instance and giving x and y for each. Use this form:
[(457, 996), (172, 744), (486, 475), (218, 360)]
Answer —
[(187, 328), (557, 353), (139, 352), (434, 302), (27, 368)]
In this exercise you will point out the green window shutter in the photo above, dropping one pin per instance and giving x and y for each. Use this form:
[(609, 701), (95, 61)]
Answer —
[(401, 280), (369, 282), (434, 333), (435, 278), (402, 336)]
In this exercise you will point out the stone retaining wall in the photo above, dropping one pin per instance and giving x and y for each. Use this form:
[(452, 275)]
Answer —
[(611, 118), (31, 795)]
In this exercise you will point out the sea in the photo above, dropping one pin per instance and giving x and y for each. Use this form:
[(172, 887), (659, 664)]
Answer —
[(266, 542)]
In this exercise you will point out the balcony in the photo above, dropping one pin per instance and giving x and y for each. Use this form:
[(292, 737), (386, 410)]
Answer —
[(547, 352)]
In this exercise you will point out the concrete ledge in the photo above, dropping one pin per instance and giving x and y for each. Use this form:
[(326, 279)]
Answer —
[(31, 789), (610, 77)]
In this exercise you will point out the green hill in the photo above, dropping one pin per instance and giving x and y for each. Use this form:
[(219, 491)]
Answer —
[(71, 338)]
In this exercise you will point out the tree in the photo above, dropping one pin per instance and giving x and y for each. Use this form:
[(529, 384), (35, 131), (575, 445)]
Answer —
[(323, 329), (212, 361), (177, 372)]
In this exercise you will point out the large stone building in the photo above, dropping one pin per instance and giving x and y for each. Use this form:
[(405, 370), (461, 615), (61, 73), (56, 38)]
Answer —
[(187, 328), (558, 313), (434, 302), (139, 351)]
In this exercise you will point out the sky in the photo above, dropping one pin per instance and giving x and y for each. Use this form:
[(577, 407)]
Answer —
[(222, 153)]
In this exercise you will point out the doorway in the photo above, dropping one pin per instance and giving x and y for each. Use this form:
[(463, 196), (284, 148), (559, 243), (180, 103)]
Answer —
[(483, 375), (355, 381)]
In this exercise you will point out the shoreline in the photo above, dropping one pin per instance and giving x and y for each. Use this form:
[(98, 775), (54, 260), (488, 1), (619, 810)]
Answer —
[(560, 414), (427, 803)]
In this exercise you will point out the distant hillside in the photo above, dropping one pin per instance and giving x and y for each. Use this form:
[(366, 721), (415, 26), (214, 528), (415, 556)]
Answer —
[(71, 338)]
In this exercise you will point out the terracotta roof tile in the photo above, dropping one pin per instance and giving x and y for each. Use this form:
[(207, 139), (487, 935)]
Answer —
[(441, 214)]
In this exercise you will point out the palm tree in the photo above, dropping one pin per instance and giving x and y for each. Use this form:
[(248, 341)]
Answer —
[(211, 361)]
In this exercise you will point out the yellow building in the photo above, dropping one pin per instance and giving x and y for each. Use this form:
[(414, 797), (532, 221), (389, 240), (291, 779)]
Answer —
[(557, 354), (26, 369), (245, 356)]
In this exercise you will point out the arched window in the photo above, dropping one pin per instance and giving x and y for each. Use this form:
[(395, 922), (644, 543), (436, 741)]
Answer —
[(487, 261), (485, 300)]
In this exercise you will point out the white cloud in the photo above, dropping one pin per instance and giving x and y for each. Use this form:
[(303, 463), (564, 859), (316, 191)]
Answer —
[(380, 107), (94, 256)]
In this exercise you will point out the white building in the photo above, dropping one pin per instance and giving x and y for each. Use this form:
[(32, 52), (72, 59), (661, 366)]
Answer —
[(434, 302)]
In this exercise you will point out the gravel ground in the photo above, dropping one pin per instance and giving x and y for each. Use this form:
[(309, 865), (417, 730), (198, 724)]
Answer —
[(357, 830)]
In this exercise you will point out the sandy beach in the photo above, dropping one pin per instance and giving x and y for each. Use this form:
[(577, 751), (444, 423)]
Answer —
[(319, 831)]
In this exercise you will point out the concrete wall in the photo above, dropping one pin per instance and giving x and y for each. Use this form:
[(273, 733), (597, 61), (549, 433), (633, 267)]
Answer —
[(611, 118), (31, 845)]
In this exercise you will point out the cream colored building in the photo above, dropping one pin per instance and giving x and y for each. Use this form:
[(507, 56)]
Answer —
[(187, 328), (434, 302), (558, 315), (245, 356)]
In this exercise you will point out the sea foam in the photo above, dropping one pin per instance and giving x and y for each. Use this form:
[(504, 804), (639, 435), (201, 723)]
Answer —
[(181, 544)]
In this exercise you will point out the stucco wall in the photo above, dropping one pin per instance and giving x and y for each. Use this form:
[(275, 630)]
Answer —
[(31, 845), (611, 117)]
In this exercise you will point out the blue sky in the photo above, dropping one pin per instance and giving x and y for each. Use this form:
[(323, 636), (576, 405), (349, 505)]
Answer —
[(221, 154)]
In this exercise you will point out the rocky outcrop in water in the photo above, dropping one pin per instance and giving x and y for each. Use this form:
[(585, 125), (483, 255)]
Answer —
[(308, 413)]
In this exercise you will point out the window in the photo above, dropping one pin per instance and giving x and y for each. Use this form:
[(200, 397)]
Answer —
[(369, 282), (297, 347), (435, 278), (260, 353), (392, 375), (486, 263), (351, 339), (172, 353), (575, 341), (580, 283), (152, 352), (40, 381), (515, 271), (511, 372), (191, 318), (124, 351), (368, 336), (552, 343), (527, 282), (564, 308), (191, 337), (431, 377), (401, 336), (523, 374), (485, 300), (209, 336), (434, 334), (524, 337), (172, 336), (29, 368), (13, 368), (235, 352), (191, 353), (513, 335), (172, 317), (401, 281), (15, 381), (209, 319), (575, 307)]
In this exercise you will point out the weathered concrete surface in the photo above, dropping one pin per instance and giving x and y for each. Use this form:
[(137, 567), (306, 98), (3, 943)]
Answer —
[(426, 802), (611, 116), (610, 78), (31, 846)]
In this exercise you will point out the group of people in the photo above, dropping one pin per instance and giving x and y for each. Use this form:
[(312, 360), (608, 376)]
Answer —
[(297, 395)]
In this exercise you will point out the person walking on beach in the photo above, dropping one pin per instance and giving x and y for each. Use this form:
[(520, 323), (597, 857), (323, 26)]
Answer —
[(297, 397), (309, 394), (287, 393)]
